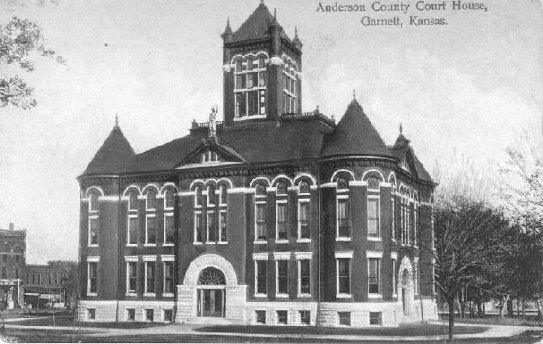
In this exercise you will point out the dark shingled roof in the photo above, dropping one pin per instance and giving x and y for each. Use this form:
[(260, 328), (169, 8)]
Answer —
[(400, 150), (355, 135), (256, 26), (113, 157), (257, 142)]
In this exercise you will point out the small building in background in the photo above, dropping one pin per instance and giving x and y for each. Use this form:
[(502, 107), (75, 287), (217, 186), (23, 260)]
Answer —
[(44, 287), (12, 265)]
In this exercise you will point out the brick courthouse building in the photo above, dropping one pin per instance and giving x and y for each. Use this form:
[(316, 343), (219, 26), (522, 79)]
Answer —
[(273, 216)]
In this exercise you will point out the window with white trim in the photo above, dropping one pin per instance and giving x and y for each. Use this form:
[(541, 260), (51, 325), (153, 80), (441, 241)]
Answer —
[(393, 216), (250, 86), (373, 216), (131, 277), (415, 220), (169, 199), (93, 230), (93, 202), (282, 317), (133, 229), (394, 278), (150, 229), (305, 317), (198, 227), (223, 194), (290, 75), (282, 220), (169, 228), (198, 197), (343, 223), (260, 213), (304, 277), (343, 276), (281, 276), (209, 156), (211, 227), (150, 277), (150, 200), (223, 226), (304, 231), (261, 277), (374, 273), (416, 276), (168, 277), (211, 196), (91, 313), (92, 280), (133, 200), (344, 318), (376, 318)]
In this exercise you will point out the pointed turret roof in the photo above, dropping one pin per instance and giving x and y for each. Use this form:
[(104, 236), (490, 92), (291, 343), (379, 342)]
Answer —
[(355, 135), (114, 156), (256, 26)]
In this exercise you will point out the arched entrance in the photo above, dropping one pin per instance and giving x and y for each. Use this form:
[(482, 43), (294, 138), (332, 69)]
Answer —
[(211, 293), (406, 286), (210, 289)]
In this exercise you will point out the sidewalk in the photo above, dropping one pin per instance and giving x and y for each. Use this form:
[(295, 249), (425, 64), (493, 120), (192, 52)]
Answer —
[(494, 331)]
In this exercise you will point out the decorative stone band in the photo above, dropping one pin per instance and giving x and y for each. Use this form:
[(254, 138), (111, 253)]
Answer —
[(276, 60), (374, 254), (344, 254)]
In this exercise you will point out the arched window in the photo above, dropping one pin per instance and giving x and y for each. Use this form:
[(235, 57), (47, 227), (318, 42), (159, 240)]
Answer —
[(261, 229), (303, 187), (211, 195), (250, 86), (211, 276), (289, 86), (93, 202), (281, 188), (169, 198), (373, 184), (133, 200), (150, 203), (198, 197)]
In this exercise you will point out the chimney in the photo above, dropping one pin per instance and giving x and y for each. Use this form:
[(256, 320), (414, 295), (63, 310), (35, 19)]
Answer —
[(11, 226)]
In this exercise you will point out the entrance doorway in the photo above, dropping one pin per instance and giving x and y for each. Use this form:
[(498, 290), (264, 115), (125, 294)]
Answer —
[(211, 291), (406, 292)]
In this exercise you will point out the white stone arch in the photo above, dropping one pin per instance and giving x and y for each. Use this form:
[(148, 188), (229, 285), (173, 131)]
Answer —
[(365, 175), (333, 179), (198, 182), (282, 176), (151, 185), (210, 260), (243, 57), (307, 175), (392, 178), (255, 180), (132, 186), (225, 180), (90, 188), (167, 185)]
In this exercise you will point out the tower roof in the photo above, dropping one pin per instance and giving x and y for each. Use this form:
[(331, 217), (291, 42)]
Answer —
[(355, 135), (114, 156), (256, 26), (403, 151)]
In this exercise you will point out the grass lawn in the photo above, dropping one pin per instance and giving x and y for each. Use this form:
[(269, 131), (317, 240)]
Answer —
[(404, 330), (40, 336), (497, 320), (69, 321)]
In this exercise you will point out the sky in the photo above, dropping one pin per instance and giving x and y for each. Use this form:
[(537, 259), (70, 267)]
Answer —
[(463, 92)]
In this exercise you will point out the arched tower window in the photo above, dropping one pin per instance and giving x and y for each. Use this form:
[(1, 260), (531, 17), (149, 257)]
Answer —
[(250, 86), (290, 74)]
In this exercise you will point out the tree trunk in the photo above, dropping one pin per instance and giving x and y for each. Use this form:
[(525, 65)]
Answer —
[(450, 301), (523, 309), (509, 307), (479, 309), (538, 303)]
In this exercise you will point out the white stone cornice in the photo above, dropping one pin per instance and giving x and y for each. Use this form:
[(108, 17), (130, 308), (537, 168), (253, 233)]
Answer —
[(276, 60)]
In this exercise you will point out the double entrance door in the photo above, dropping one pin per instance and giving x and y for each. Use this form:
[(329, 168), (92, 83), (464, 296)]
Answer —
[(211, 302)]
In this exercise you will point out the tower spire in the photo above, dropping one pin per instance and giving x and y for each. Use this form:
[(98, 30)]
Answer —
[(354, 93), (401, 128), (116, 120)]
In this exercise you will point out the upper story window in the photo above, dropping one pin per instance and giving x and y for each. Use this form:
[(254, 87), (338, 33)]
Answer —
[(93, 202), (373, 184), (223, 195), (169, 199), (281, 212), (250, 85), (150, 200), (133, 200), (261, 229), (374, 272), (93, 230), (290, 74), (223, 218), (198, 198), (373, 216), (343, 211), (211, 195), (209, 156)]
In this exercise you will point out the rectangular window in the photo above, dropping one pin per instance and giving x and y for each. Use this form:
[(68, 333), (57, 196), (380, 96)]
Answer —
[(132, 277), (240, 81), (261, 276), (415, 224), (344, 318), (133, 228), (393, 215), (149, 277), (394, 278), (373, 275), (344, 230), (93, 275), (282, 317), (211, 227), (261, 221), (150, 231), (373, 217), (93, 230), (375, 318), (282, 221), (305, 317), (282, 276), (304, 275), (252, 80), (151, 200), (416, 277), (169, 199), (168, 277), (133, 201), (91, 314), (4, 272), (252, 102), (17, 259), (222, 226), (168, 315), (303, 220), (169, 229), (149, 314), (198, 233), (260, 317), (241, 104), (344, 275), (131, 314), (262, 79)]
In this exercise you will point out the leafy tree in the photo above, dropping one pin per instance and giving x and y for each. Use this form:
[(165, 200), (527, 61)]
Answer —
[(20, 40)]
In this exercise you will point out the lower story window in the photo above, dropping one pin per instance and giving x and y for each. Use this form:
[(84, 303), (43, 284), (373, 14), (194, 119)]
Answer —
[(344, 318), (260, 317), (149, 314), (282, 317), (305, 317), (375, 318), (168, 315), (131, 314), (91, 313)]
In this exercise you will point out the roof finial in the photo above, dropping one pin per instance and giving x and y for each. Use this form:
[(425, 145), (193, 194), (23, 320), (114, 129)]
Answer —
[(262, 2), (401, 128), (354, 93), (275, 14), (116, 119)]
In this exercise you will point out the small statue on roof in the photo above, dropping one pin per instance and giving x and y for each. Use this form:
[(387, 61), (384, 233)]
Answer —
[(212, 123)]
